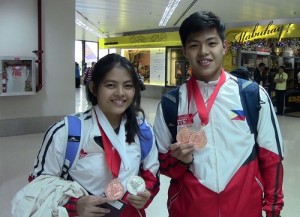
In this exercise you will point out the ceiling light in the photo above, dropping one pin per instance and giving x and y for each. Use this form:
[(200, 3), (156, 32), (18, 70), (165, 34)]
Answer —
[(168, 12), (88, 26)]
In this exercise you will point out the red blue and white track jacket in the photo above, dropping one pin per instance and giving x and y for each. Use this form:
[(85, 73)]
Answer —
[(91, 170), (230, 176)]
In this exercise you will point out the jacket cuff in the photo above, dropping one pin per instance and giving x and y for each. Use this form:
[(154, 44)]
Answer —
[(273, 214), (71, 207)]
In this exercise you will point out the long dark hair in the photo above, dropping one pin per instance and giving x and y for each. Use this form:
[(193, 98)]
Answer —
[(99, 72)]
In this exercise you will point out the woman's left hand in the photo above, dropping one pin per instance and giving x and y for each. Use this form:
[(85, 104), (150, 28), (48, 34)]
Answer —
[(139, 201)]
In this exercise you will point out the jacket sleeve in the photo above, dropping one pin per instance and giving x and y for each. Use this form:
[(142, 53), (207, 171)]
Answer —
[(270, 157), (71, 207), (149, 171), (169, 165), (51, 154), (172, 167), (272, 175), (50, 159)]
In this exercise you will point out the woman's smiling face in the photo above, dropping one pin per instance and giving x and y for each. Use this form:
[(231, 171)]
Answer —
[(116, 92)]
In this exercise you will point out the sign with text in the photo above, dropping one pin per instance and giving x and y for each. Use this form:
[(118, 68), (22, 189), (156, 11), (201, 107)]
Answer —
[(157, 65)]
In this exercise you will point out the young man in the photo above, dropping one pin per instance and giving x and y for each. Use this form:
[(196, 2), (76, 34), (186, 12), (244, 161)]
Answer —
[(216, 169), (258, 73), (280, 79)]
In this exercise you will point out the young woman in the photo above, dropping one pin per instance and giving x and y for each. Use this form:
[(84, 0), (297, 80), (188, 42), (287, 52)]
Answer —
[(111, 150)]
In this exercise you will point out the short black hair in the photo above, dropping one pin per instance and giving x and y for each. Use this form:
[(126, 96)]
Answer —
[(200, 21)]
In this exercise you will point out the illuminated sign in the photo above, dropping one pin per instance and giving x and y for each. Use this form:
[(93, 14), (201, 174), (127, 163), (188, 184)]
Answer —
[(148, 38), (263, 32)]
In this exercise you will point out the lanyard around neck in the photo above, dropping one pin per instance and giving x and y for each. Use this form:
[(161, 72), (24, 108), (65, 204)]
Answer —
[(112, 156), (203, 110)]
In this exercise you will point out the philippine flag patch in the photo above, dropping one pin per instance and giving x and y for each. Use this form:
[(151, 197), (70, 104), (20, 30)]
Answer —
[(238, 115)]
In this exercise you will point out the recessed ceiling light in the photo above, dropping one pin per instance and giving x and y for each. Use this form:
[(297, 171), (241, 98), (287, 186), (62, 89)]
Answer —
[(88, 26), (168, 12)]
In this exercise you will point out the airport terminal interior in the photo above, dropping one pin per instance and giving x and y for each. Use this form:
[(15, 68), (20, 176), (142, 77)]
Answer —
[(21, 162), (42, 45)]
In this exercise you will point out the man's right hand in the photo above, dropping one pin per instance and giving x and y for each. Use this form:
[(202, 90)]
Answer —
[(183, 152)]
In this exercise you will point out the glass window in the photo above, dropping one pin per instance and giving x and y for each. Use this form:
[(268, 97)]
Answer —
[(149, 63), (178, 68), (78, 54), (112, 50), (102, 53), (91, 52)]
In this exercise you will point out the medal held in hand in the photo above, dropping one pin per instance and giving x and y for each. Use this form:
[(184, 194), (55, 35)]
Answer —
[(135, 184), (183, 135), (114, 190), (199, 139)]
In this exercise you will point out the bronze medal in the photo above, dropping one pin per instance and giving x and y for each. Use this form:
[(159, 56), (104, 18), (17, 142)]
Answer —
[(183, 135), (199, 139), (114, 190)]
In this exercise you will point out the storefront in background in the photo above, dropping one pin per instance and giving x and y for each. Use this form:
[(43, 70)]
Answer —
[(158, 56), (149, 63), (272, 43), (155, 56)]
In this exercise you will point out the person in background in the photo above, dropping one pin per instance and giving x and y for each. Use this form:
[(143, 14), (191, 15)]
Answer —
[(84, 67), (110, 131), (280, 89), (86, 79), (88, 75), (270, 82), (141, 78), (265, 74), (77, 75), (216, 167), (258, 73), (298, 78)]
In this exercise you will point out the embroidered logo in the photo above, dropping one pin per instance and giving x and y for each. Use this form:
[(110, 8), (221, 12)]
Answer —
[(239, 115), (82, 154), (73, 138)]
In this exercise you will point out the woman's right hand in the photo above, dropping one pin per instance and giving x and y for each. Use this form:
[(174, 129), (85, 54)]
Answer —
[(90, 206)]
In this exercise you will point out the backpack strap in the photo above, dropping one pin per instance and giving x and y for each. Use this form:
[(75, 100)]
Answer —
[(73, 143), (146, 139), (169, 105), (250, 98)]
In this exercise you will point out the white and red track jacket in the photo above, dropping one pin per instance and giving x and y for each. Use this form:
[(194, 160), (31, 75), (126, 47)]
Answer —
[(230, 176), (91, 170)]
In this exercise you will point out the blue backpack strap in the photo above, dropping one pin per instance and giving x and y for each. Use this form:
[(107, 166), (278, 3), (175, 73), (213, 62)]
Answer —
[(169, 106), (73, 143), (146, 139), (250, 98)]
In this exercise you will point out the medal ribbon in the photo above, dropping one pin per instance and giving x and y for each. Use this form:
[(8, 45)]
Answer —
[(203, 111), (112, 156)]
